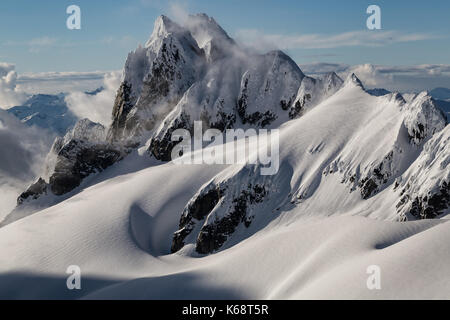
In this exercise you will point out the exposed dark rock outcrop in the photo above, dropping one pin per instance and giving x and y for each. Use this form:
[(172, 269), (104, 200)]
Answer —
[(430, 207), (36, 190), (212, 236), (423, 118), (155, 78), (76, 161), (198, 210), (424, 191), (162, 145), (82, 152), (122, 107), (215, 232), (377, 177)]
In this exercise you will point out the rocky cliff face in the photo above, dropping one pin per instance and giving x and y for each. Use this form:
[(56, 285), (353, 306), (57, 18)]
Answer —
[(424, 190), (81, 152), (313, 91), (423, 118), (196, 72), (226, 205), (155, 78)]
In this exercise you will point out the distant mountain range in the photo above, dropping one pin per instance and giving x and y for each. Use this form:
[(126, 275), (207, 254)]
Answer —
[(48, 112)]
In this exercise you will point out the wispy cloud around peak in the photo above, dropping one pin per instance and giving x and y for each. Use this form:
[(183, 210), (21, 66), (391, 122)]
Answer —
[(10, 95)]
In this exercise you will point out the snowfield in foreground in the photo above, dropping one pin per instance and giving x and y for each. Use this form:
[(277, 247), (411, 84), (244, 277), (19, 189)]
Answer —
[(115, 232)]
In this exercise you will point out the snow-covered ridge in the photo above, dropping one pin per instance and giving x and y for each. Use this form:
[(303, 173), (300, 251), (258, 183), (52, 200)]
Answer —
[(356, 140)]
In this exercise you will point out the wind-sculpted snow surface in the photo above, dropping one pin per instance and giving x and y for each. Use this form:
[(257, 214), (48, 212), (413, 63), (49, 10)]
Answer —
[(290, 258)]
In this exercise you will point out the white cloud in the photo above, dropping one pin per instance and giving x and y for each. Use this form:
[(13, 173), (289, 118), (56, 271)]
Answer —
[(56, 82), (371, 75), (10, 95), (261, 41), (43, 41), (123, 41), (35, 45), (21, 160), (97, 107), (179, 12), (62, 76)]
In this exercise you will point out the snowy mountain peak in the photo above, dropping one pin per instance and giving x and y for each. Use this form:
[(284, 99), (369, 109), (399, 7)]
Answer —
[(205, 29), (339, 154), (396, 96), (163, 27), (281, 61), (155, 78), (423, 118), (354, 80), (86, 130), (332, 81), (313, 91)]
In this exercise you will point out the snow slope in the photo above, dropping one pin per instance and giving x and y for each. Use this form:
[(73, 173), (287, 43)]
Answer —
[(119, 230), (122, 250)]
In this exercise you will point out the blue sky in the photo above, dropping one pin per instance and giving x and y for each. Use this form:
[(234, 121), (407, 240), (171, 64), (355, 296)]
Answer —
[(35, 38)]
